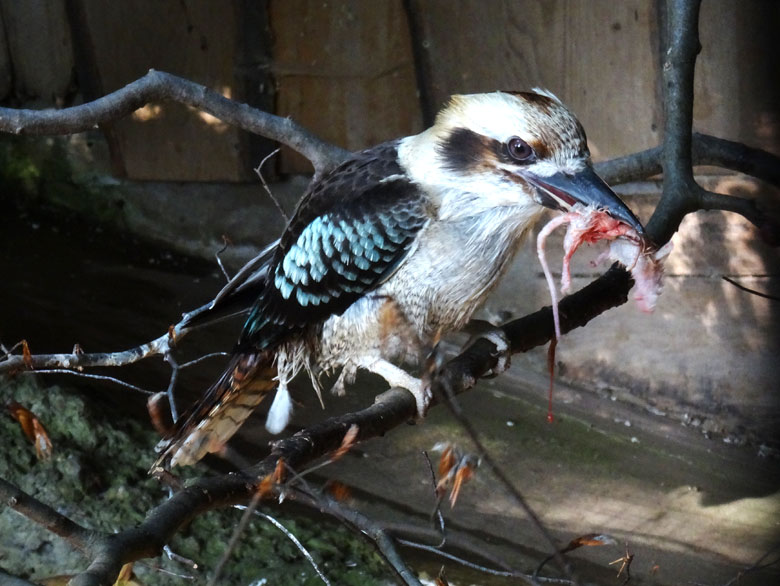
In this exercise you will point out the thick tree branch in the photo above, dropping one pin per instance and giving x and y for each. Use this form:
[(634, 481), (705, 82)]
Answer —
[(679, 189), (157, 86), (707, 150), (719, 152)]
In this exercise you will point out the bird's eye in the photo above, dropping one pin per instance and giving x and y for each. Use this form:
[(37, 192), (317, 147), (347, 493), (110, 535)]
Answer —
[(519, 150)]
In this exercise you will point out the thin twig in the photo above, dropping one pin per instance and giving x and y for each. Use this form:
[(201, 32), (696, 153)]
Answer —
[(237, 532), (203, 358), (158, 346), (366, 526), (757, 565), (297, 544), (225, 244), (748, 290), (172, 385), (259, 171), (102, 377), (534, 580), (437, 509), (173, 556)]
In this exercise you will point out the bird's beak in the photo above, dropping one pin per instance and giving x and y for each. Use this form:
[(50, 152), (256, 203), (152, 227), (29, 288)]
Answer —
[(561, 191)]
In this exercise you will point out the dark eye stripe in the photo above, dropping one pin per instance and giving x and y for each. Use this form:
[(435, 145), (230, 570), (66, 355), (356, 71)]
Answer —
[(464, 150)]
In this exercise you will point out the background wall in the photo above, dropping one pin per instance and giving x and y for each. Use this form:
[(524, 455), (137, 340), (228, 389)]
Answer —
[(358, 73)]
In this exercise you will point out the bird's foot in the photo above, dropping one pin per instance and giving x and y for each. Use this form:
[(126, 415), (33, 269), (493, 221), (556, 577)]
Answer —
[(346, 377), (482, 329), (397, 377), (422, 397)]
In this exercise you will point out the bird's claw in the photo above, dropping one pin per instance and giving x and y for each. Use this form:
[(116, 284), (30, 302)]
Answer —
[(503, 352), (422, 397)]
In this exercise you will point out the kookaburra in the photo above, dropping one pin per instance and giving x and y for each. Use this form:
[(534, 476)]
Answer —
[(396, 246)]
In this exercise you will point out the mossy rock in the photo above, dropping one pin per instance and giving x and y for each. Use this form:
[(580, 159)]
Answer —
[(97, 476)]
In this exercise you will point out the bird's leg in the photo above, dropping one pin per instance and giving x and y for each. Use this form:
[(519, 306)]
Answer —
[(346, 376), (397, 377), (484, 329)]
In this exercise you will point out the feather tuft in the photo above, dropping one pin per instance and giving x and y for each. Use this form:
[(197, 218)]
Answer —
[(280, 412)]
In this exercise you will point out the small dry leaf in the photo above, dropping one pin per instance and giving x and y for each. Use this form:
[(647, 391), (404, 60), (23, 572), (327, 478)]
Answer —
[(32, 428), (347, 442), (172, 334), (455, 469), (43, 447), (464, 473), (27, 355), (447, 461), (125, 575), (279, 471), (589, 540), (265, 489), (158, 414), (339, 491), (24, 416)]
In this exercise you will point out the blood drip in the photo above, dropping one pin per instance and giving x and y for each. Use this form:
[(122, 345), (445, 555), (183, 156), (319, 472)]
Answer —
[(551, 370)]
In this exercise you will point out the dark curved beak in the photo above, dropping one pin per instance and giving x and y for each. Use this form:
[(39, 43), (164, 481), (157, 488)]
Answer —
[(561, 191)]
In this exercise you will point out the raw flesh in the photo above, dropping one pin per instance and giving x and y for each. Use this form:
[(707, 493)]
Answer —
[(588, 224)]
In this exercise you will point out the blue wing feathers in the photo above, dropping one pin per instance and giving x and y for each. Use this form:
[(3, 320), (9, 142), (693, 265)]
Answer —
[(348, 234)]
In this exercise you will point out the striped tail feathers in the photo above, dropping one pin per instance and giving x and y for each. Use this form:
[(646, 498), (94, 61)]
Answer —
[(211, 422)]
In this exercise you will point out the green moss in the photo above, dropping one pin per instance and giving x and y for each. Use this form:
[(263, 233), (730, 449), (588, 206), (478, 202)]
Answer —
[(20, 172), (39, 172), (98, 477)]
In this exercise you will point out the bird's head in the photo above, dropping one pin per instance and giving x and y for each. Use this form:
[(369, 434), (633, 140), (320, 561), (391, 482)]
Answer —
[(513, 149)]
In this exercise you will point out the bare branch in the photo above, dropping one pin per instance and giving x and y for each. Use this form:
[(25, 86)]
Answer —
[(707, 150), (157, 86), (679, 191), (148, 539), (44, 515), (157, 346), (709, 200), (162, 345), (633, 167), (710, 150)]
